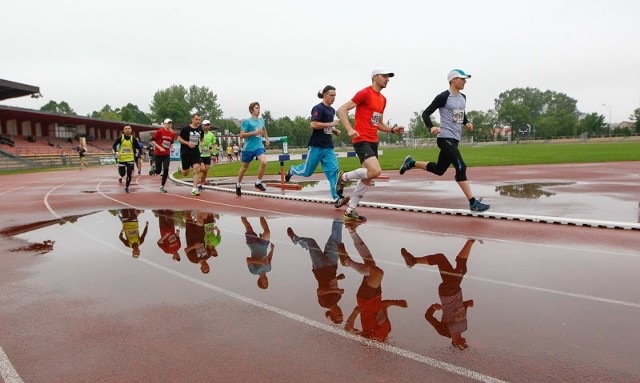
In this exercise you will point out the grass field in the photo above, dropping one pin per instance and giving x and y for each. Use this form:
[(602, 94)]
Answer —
[(492, 155)]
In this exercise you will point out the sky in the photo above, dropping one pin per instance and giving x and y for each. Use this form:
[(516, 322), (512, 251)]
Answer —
[(281, 52)]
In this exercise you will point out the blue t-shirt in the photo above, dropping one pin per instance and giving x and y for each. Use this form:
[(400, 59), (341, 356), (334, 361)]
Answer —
[(254, 142), (322, 138)]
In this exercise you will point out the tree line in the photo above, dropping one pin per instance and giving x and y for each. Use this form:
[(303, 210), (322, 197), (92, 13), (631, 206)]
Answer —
[(546, 114)]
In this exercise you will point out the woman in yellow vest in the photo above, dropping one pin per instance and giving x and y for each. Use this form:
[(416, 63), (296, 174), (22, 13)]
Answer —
[(130, 233), (125, 149)]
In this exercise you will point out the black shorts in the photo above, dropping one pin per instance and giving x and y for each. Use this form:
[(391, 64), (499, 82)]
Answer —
[(367, 292), (189, 159), (206, 160), (365, 150)]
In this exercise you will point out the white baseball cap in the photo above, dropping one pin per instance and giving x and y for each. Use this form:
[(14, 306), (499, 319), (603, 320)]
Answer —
[(381, 70), (206, 122), (167, 121), (457, 73)]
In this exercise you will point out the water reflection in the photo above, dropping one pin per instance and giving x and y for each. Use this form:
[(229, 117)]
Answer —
[(259, 263), (169, 240), (324, 265), (372, 309), (454, 309), (529, 190), (200, 246), (130, 233)]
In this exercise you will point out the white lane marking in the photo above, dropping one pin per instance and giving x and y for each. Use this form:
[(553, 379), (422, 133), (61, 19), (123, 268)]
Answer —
[(333, 330), (526, 287), (7, 372), (11, 190)]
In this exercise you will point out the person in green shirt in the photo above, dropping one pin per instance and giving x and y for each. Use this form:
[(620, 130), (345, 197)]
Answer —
[(206, 149)]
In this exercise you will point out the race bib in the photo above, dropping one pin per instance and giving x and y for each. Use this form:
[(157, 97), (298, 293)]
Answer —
[(375, 118), (458, 116), (166, 144)]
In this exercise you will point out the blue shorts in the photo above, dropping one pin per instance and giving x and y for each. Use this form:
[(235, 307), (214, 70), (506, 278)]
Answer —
[(248, 156)]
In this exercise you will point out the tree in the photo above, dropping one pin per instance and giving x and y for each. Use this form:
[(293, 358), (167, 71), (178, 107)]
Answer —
[(549, 113), (171, 103), (483, 124), (417, 127), (62, 108), (131, 113), (592, 124), (202, 100), (636, 117), (106, 113), (178, 103)]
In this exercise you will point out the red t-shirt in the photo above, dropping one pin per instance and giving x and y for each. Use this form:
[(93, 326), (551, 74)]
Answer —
[(369, 108), (374, 320), (164, 138), (171, 243)]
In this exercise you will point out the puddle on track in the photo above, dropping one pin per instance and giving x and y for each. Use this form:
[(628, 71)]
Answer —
[(521, 293)]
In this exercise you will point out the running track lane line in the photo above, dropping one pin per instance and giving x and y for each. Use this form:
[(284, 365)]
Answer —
[(488, 280), (7, 372), (287, 314)]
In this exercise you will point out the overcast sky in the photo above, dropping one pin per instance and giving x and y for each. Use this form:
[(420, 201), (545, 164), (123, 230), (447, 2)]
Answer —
[(281, 52)]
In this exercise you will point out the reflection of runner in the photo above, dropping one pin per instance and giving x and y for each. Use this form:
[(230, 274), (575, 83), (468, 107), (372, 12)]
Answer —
[(325, 267), (169, 240), (454, 310), (371, 307), (196, 250), (130, 233), (259, 263)]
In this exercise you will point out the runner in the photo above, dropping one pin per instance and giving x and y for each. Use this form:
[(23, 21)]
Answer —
[(190, 138), (451, 104), (369, 104), (321, 151), (206, 149), (124, 149), (253, 131), (162, 142)]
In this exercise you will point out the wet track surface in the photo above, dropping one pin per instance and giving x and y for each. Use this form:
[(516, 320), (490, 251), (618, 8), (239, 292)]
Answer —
[(549, 302)]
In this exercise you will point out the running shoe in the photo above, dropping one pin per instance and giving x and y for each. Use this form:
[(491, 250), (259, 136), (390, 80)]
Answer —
[(288, 175), (479, 206), (292, 236), (126, 190), (238, 191), (409, 259), (407, 164), (120, 179), (260, 186), (340, 184), (353, 216), (162, 189), (139, 171), (195, 191), (200, 187), (341, 201)]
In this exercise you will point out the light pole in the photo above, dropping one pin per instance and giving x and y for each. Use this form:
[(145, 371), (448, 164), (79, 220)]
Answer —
[(609, 106)]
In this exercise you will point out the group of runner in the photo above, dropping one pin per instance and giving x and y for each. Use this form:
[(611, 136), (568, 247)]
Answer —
[(198, 143)]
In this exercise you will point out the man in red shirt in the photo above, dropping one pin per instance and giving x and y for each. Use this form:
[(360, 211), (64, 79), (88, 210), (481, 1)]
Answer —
[(162, 142), (369, 104), (169, 240)]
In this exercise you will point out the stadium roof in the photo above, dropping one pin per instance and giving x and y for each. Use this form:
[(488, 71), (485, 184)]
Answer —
[(10, 89)]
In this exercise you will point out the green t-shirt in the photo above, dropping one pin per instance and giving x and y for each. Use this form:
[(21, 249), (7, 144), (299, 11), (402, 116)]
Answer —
[(207, 145)]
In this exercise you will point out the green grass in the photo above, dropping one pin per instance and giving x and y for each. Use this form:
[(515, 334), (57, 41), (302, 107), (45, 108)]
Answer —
[(490, 155)]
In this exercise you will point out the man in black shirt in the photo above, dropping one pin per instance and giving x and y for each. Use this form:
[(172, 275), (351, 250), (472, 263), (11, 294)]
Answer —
[(189, 139)]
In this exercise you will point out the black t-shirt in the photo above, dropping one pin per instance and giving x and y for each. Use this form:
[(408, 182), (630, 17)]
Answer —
[(191, 135)]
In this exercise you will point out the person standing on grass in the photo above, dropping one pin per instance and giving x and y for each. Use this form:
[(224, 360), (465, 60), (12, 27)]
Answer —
[(369, 104), (124, 149), (162, 142), (190, 138), (451, 104), (253, 131), (206, 149), (323, 126)]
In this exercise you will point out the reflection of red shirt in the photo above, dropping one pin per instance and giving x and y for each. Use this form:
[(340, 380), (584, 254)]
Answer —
[(164, 138), (374, 320), (369, 109), (171, 244)]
